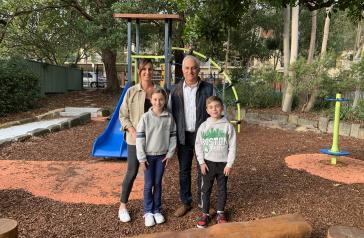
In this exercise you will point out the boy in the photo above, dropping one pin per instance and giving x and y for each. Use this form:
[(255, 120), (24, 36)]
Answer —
[(215, 151)]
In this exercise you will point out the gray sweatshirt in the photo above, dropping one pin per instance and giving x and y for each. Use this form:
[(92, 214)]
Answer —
[(216, 141), (156, 135)]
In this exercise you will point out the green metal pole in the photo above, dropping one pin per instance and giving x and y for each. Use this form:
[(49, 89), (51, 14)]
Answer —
[(335, 138), (136, 80)]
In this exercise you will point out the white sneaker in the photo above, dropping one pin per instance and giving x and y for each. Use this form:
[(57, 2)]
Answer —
[(159, 218), (124, 215), (149, 219)]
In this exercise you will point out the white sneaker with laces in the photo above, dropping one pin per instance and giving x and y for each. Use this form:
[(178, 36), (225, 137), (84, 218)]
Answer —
[(159, 218), (124, 215), (149, 219)]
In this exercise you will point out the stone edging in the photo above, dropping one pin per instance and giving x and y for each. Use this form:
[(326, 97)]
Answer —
[(81, 119), (322, 125)]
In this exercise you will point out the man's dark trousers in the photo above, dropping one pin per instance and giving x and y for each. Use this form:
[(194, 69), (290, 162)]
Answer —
[(185, 156)]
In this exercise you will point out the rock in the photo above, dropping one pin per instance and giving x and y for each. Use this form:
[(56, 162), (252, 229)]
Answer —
[(330, 127), (307, 128), (64, 125), (323, 124), (361, 133), (38, 132), (9, 124), (54, 128), (26, 120), (344, 232), (344, 129), (354, 131), (265, 116), (104, 112), (251, 116), (22, 138), (74, 122), (286, 226), (280, 118), (242, 113), (293, 119), (84, 117), (8, 228), (307, 122)]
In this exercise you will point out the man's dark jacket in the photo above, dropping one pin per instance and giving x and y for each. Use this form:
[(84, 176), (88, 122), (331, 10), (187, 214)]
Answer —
[(204, 91)]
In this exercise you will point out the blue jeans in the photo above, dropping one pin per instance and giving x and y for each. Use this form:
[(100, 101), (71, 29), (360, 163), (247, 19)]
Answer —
[(153, 184)]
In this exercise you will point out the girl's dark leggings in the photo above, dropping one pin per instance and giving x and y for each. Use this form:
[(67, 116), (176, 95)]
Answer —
[(131, 173)]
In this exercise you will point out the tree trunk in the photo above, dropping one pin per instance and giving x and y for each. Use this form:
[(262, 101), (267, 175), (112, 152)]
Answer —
[(286, 38), (311, 50), (288, 98), (316, 90), (325, 37), (358, 37), (109, 59), (358, 55)]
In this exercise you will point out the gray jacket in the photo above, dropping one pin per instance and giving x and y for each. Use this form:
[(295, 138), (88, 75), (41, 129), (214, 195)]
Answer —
[(156, 135)]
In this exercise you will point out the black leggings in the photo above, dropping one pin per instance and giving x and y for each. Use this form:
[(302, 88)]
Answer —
[(131, 173)]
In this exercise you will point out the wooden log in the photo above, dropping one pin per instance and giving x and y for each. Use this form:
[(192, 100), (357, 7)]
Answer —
[(8, 228)]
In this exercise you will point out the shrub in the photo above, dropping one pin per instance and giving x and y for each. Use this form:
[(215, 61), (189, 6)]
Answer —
[(19, 86), (256, 89), (349, 113)]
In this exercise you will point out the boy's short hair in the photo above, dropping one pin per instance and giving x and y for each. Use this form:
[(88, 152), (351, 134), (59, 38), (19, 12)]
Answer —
[(213, 99)]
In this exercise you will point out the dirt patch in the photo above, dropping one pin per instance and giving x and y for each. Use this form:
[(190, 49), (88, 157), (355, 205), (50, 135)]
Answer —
[(93, 182), (347, 170)]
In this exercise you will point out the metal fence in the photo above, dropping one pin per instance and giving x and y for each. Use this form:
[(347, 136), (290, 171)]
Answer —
[(56, 79)]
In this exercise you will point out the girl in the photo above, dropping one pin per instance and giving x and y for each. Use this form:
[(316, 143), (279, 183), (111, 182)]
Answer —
[(156, 142)]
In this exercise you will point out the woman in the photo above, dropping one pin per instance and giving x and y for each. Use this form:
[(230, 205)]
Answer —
[(136, 102)]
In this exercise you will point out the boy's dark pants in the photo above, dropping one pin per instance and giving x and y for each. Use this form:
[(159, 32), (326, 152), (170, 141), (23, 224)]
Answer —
[(216, 170)]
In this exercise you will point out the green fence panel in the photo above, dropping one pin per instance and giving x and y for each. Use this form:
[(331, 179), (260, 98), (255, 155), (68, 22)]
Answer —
[(56, 79), (74, 79), (37, 69)]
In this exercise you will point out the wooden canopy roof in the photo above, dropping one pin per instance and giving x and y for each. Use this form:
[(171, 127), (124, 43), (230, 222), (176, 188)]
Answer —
[(147, 16)]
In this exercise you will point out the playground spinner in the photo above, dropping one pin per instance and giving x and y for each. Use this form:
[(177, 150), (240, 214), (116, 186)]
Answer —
[(335, 151)]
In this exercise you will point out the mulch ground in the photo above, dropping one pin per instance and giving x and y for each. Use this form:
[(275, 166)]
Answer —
[(261, 185)]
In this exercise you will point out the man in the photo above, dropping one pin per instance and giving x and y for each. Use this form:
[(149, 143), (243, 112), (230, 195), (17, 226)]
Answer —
[(188, 107)]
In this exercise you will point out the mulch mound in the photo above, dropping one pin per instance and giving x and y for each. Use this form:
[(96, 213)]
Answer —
[(261, 185)]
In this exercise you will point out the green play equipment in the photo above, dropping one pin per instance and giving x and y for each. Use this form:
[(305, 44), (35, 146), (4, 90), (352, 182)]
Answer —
[(335, 151)]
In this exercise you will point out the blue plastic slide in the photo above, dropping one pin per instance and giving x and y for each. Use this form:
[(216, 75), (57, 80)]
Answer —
[(111, 143)]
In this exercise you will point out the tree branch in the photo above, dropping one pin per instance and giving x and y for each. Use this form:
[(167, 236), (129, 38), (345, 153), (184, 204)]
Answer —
[(76, 5)]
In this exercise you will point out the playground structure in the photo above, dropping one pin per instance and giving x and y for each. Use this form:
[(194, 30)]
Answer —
[(111, 142), (335, 151)]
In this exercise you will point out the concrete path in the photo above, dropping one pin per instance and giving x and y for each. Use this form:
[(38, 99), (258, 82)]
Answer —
[(69, 114), (15, 131)]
